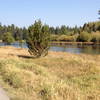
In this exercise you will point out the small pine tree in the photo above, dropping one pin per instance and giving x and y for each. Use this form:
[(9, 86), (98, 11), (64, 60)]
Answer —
[(38, 39), (8, 38)]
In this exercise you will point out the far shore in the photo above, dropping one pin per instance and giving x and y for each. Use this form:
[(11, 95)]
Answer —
[(73, 43), (69, 43)]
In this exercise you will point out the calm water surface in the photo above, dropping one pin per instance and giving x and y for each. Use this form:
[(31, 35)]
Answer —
[(68, 48)]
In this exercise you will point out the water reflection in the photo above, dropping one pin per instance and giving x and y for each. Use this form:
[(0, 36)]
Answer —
[(78, 49)]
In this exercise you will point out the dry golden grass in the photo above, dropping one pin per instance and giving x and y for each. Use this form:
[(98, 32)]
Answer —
[(58, 76)]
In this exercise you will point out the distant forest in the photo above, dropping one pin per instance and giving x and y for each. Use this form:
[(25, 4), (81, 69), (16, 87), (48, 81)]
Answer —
[(89, 32)]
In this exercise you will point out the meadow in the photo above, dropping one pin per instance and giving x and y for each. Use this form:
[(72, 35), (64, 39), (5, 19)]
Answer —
[(58, 76)]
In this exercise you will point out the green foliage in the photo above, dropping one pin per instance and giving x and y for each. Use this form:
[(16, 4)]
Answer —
[(52, 30), (38, 39), (17, 33), (20, 34), (57, 31), (91, 27), (7, 38), (63, 29), (84, 37)]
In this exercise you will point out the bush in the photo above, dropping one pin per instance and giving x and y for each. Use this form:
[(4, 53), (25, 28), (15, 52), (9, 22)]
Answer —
[(38, 39), (8, 38), (84, 37)]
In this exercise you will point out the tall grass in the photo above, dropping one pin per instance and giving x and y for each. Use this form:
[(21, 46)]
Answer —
[(59, 76)]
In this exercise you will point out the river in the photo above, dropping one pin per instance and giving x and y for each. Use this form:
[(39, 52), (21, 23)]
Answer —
[(77, 49)]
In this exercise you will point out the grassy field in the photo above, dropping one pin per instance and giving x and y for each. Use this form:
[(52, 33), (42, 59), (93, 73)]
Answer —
[(58, 76)]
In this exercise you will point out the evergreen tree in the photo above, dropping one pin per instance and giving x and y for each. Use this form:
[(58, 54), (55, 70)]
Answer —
[(57, 31), (38, 39), (63, 29), (52, 30)]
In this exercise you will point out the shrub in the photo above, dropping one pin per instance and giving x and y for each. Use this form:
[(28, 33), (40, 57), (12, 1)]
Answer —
[(84, 37), (38, 39), (8, 38)]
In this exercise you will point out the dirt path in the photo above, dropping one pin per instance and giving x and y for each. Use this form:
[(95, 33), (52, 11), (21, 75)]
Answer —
[(3, 95)]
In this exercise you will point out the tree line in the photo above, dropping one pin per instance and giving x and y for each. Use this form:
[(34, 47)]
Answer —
[(13, 31), (21, 33), (89, 32)]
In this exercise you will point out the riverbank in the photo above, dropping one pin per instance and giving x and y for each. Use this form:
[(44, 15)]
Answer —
[(65, 43), (73, 43), (58, 76)]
